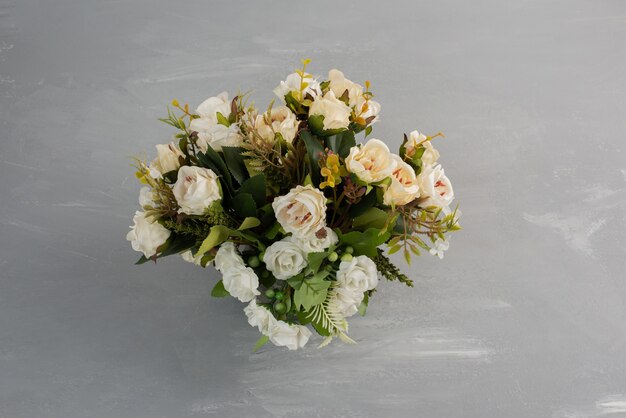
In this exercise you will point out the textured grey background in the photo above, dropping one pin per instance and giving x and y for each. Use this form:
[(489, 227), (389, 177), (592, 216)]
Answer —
[(525, 317)]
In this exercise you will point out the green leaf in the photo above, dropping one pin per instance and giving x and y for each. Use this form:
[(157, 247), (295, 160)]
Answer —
[(341, 143), (222, 120), (312, 292), (371, 218), (296, 281), (219, 291), (244, 205), (260, 343), (211, 159), (249, 223), (255, 186), (363, 306), (314, 149), (217, 235), (368, 131), (363, 205), (236, 163), (315, 261), (142, 260), (364, 243)]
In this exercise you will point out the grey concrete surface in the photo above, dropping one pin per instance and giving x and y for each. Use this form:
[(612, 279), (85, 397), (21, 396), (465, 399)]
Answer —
[(525, 316)]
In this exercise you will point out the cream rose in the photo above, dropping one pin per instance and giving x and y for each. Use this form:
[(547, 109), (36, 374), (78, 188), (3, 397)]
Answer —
[(293, 337), (435, 186), (403, 188), (415, 139), (284, 259), (146, 197), (227, 256), (209, 108), (293, 84), (372, 162), (259, 317), (302, 211), (280, 120), (147, 235), (190, 258), (215, 135), (167, 160), (319, 241), (196, 189), (335, 112), (358, 275), (339, 84), (241, 282), (366, 109)]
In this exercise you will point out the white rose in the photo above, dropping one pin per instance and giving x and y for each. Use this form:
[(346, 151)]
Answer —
[(346, 302), (367, 109), (284, 259), (189, 257), (336, 113), (146, 197), (293, 84), (196, 189), (227, 256), (434, 185), (280, 120), (319, 241), (358, 275), (209, 108), (215, 135), (291, 336), (302, 211), (259, 317), (371, 162), (415, 139), (167, 160), (147, 235), (403, 188), (339, 84), (241, 282)]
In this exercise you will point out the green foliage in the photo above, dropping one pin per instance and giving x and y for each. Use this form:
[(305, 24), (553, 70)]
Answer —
[(260, 343), (249, 223), (371, 218), (218, 234), (388, 270), (244, 205), (235, 162), (314, 151), (341, 143), (255, 186), (219, 291), (364, 243), (311, 291)]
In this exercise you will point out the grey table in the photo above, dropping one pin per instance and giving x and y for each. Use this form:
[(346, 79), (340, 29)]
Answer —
[(525, 316)]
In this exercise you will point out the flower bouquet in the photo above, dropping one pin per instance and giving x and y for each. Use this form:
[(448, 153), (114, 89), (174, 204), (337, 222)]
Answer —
[(297, 215)]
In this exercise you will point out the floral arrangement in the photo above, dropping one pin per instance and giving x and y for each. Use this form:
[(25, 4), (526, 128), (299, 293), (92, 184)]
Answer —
[(297, 216)]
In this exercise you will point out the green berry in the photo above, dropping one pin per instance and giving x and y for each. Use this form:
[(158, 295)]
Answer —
[(254, 261), (349, 250), (261, 254), (346, 257), (332, 257), (265, 274), (280, 307), (270, 293), (279, 295)]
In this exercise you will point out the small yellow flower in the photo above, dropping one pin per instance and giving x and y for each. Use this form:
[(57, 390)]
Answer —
[(332, 171)]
